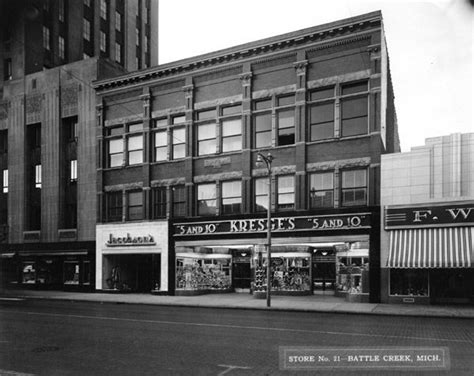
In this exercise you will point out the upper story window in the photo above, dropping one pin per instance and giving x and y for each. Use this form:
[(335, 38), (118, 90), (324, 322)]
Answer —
[(115, 152), (231, 135), (118, 21), (206, 136), (178, 141), (321, 114), (61, 10), (206, 199), (135, 144), (161, 145), (168, 139), (354, 109), (38, 178), (46, 38), (73, 170), (118, 52), (134, 205), (231, 197), (354, 187), (263, 130), (207, 114), (103, 41), (5, 181), (86, 29), (61, 47), (137, 37), (261, 194), (178, 198), (103, 9), (159, 202), (321, 190), (114, 206), (285, 192), (286, 127)]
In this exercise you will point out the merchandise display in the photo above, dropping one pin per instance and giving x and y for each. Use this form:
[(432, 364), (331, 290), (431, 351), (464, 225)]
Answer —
[(203, 273)]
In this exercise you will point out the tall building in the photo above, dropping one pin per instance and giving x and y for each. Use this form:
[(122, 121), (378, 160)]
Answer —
[(182, 200), (50, 52), (427, 246)]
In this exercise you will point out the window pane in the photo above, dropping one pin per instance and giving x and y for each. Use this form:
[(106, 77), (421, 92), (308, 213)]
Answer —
[(354, 126), (322, 131), (232, 143), (322, 93), (231, 127), (135, 142), (354, 178), (207, 147), (261, 186), (161, 139), (178, 136), (355, 87), (230, 110), (116, 160), (179, 119), (263, 139), (179, 151), (135, 127), (208, 114), (261, 203), (287, 100), (161, 122), (161, 154), (261, 105), (135, 157), (286, 184), (231, 189), (114, 131), (263, 122), (116, 146), (135, 198), (322, 113), (206, 191), (206, 131), (322, 181), (286, 119), (354, 107)]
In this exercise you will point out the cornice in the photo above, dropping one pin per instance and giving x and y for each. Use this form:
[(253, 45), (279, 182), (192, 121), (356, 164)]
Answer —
[(281, 43)]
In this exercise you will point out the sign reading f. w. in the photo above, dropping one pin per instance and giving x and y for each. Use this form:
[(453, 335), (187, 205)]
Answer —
[(455, 214)]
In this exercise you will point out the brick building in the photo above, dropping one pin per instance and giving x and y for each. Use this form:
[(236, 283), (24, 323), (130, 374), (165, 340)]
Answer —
[(182, 199), (50, 52)]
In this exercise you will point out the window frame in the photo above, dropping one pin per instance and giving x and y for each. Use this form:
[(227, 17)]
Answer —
[(224, 138), (263, 194), (178, 207), (212, 209), (210, 140), (140, 215), (73, 170), (46, 38), (354, 188), (5, 180), (279, 193), (114, 204), (320, 101), (315, 191), (131, 134), (354, 96), (86, 29), (38, 176), (159, 201), (231, 197)]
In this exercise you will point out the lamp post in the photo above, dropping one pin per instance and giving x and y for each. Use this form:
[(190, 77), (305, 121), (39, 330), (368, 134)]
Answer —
[(268, 159)]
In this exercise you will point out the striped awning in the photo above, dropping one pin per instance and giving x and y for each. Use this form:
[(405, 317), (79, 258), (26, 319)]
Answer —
[(449, 247)]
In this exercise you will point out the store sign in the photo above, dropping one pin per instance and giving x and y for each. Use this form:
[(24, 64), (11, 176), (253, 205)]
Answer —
[(124, 241), (280, 224), (430, 216)]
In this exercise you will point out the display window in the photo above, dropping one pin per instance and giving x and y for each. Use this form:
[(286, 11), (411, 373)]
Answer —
[(352, 271), (71, 272), (290, 271), (29, 272), (409, 282)]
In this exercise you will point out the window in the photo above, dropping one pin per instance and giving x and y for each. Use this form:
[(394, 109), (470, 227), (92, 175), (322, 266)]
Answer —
[(354, 110), (114, 206), (231, 197), (103, 41), (146, 44), (262, 104), (207, 114), (321, 190), (137, 37), (232, 110), (206, 139), (159, 202), (46, 38), (322, 114), (206, 199), (161, 146), (86, 29), (118, 21), (34, 137), (61, 47), (286, 192), (70, 127), (178, 119), (354, 187), (178, 139), (73, 170), (134, 205), (286, 100), (135, 149), (409, 282), (61, 10), (115, 152), (103, 9), (38, 176), (4, 141), (7, 69), (263, 130), (179, 201), (286, 127), (5, 181), (231, 135), (261, 194), (118, 52)]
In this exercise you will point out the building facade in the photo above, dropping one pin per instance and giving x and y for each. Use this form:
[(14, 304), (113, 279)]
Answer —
[(427, 246), (48, 131), (179, 143)]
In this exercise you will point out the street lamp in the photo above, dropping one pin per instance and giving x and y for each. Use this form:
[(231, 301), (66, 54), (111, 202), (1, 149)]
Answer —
[(268, 159)]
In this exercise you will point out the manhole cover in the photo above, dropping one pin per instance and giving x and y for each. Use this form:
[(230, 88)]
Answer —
[(45, 349)]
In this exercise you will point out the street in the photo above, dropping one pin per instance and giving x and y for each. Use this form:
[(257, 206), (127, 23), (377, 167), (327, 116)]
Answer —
[(44, 337)]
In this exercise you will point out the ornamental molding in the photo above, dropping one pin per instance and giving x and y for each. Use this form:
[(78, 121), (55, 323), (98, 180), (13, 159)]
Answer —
[(218, 102), (300, 67), (123, 187), (340, 164), (168, 111), (168, 182), (246, 78), (354, 76), (124, 120), (217, 177), (339, 42), (276, 91), (281, 170)]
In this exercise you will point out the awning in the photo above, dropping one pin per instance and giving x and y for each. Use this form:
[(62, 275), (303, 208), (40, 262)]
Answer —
[(450, 247)]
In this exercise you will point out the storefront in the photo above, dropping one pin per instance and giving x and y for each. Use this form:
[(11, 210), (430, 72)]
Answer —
[(50, 267), (132, 257), (230, 255), (429, 254)]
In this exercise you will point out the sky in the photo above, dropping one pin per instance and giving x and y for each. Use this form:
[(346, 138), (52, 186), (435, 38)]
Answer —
[(430, 46)]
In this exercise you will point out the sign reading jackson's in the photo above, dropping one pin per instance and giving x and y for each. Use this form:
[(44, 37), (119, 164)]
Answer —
[(279, 224), (455, 214)]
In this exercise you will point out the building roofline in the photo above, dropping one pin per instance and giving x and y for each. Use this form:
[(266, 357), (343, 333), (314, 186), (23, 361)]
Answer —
[(239, 52)]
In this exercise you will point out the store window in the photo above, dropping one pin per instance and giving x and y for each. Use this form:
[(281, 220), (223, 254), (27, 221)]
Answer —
[(231, 197), (159, 202), (321, 190), (179, 201), (114, 206), (29, 272), (286, 192), (352, 269), (206, 139), (263, 130), (354, 187), (409, 282), (178, 140), (206, 199), (261, 194), (354, 109), (231, 135), (115, 157), (161, 146), (86, 273), (322, 114), (71, 272), (134, 205)]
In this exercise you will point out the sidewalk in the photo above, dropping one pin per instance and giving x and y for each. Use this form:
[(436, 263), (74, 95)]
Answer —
[(315, 303)]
